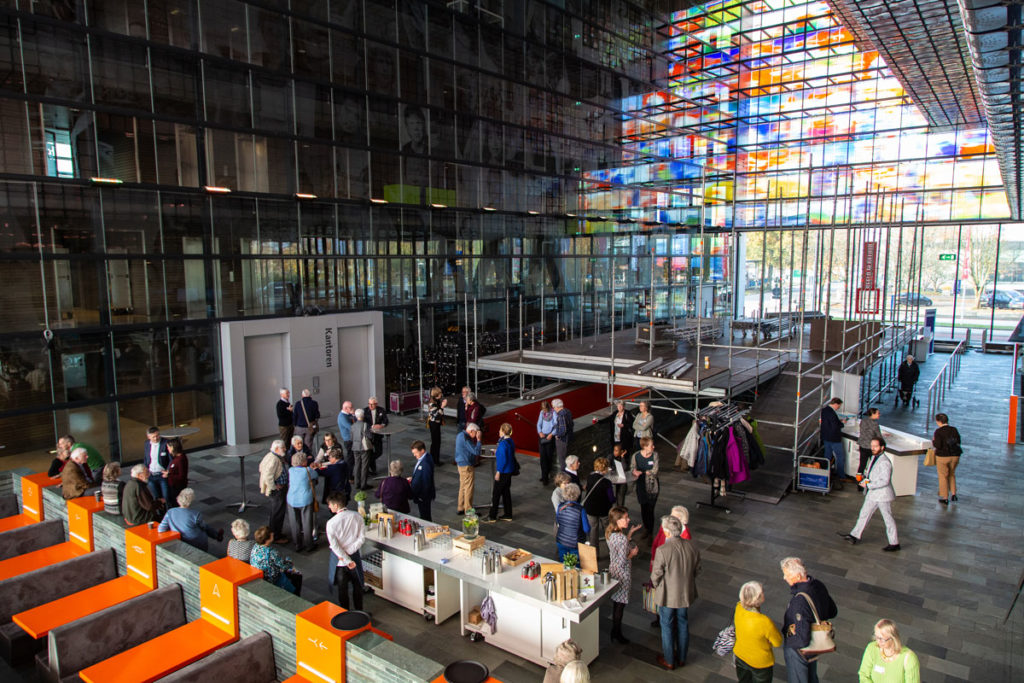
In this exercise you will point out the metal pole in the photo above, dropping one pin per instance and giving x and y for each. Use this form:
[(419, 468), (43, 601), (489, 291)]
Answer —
[(419, 350), (476, 351), (956, 282), (465, 306), (650, 312), (613, 322)]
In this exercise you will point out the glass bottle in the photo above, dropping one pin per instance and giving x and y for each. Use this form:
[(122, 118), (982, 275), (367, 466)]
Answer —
[(470, 524)]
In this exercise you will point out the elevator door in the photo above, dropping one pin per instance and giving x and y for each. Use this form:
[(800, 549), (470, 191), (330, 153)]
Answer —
[(265, 374), (354, 368)]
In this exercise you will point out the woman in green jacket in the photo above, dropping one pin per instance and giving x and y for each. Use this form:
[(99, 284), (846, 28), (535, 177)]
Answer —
[(886, 660)]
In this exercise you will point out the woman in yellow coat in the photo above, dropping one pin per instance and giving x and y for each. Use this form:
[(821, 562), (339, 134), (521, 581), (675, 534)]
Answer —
[(756, 635)]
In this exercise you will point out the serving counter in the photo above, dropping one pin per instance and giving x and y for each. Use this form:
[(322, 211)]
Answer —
[(527, 625), (902, 449)]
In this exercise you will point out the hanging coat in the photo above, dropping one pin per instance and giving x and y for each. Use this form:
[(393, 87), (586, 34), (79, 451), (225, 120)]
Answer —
[(737, 465), (718, 465), (688, 448)]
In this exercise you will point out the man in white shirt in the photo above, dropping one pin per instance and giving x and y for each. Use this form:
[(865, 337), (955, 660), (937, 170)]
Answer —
[(345, 535), (158, 460)]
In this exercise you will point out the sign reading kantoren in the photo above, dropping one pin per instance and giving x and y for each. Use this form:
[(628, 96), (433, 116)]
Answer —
[(947, 257), (868, 265)]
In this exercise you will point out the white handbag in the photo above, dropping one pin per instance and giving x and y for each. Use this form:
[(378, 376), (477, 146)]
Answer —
[(822, 635)]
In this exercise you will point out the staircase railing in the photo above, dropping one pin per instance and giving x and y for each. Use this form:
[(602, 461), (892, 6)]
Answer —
[(943, 382)]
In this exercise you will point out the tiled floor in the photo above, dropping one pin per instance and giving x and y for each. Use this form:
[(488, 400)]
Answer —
[(948, 589)]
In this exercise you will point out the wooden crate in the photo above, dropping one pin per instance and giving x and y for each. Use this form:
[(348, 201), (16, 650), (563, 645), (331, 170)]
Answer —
[(464, 545), (519, 557)]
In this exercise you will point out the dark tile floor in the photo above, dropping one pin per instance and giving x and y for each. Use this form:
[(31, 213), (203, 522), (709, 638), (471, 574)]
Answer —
[(948, 589)]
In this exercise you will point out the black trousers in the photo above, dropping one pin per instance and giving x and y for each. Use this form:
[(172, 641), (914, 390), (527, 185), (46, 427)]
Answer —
[(435, 442), (424, 507), (345, 577), (647, 513), (277, 510), (378, 448), (865, 455), (502, 492), (547, 458)]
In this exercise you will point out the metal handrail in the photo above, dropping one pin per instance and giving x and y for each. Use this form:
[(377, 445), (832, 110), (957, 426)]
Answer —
[(943, 382)]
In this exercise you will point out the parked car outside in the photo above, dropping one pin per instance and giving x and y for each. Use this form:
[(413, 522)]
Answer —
[(997, 300), (913, 299)]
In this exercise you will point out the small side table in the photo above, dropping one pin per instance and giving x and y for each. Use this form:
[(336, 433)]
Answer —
[(241, 455)]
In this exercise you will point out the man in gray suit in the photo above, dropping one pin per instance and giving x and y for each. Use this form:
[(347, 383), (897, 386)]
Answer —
[(880, 494), (674, 577)]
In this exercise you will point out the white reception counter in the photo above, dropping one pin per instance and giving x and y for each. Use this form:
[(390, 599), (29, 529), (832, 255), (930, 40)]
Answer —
[(527, 624), (903, 450)]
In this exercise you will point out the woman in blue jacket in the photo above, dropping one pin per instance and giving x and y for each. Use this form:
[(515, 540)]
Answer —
[(301, 492), (504, 470), (189, 523)]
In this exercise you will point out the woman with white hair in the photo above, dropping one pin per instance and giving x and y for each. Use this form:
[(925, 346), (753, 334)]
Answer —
[(887, 660), (567, 651), (575, 672), (394, 490), (240, 547), (360, 440), (189, 523), (756, 635), (301, 497)]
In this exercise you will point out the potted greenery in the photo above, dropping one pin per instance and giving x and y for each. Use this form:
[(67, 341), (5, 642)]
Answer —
[(570, 561), (360, 499)]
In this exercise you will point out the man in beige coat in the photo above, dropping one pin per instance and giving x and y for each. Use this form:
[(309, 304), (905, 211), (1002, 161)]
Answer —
[(674, 576), (274, 485)]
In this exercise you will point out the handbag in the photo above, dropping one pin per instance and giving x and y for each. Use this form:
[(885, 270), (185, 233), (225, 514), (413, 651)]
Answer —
[(312, 488), (929, 458), (822, 634), (725, 641), (648, 593)]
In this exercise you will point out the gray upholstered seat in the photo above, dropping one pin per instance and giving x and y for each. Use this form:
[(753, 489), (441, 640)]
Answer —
[(32, 537)]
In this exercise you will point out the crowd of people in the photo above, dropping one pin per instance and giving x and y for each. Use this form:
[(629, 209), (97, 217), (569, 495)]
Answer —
[(588, 508)]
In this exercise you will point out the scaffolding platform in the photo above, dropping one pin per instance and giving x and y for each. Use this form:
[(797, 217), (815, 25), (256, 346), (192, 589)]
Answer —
[(716, 373)]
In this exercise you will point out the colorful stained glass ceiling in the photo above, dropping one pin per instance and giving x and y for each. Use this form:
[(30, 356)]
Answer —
[(774, 116)]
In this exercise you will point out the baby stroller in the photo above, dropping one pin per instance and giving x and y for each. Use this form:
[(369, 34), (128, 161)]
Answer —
[(906, 394)]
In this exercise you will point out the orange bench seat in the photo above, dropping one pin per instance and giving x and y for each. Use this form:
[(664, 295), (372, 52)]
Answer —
[(37, 559), (160, 656), (16, 522), (39, 621)]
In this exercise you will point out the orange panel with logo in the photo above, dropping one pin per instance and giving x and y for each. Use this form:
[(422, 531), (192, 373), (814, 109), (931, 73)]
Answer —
[(31, 501), (140, 544)]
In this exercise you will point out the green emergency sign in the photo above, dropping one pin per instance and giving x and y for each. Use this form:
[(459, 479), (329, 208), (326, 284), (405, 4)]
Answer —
[(947, 257)]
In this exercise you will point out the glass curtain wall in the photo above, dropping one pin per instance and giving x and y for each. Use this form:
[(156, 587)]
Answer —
[(167, 166)]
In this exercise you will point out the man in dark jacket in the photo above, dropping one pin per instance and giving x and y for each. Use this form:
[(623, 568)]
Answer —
[(796, 625), (137, 504), (158, 460), (907, 375), (832, 436), (422, 479), (376, 419), (285, 420), (305, 414)]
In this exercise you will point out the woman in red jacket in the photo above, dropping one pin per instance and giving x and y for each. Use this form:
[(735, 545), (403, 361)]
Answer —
[(177, 471)]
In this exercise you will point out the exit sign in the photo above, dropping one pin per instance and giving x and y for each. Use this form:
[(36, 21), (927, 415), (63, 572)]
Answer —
[(947, 257)]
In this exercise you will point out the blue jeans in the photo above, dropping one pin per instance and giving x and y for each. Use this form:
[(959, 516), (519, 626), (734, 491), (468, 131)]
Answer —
[(798, 669), (159, 488), (674, 648), (834, 450)]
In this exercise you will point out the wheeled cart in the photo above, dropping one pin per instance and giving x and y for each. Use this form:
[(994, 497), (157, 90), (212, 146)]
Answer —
[(813, 474)]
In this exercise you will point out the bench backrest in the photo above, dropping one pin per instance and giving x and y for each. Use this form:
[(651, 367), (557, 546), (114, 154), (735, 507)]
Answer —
[(40, 586), (33, 537), (253, 655), (102, 635), (9, 505)]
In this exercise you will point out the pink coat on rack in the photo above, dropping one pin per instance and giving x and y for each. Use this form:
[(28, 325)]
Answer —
[(734, 458)]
